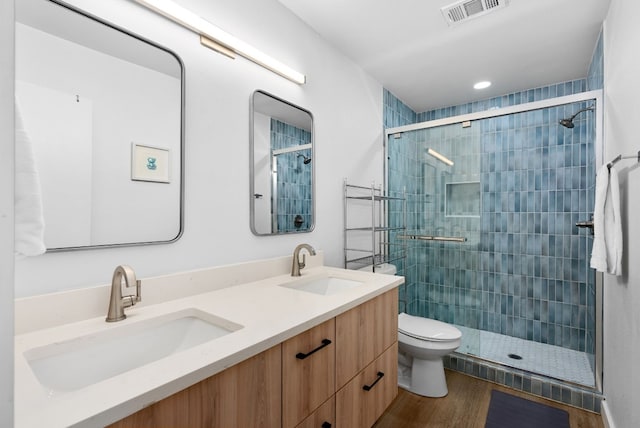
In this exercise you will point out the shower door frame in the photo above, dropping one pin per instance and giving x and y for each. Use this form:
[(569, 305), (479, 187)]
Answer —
[(597, 97)]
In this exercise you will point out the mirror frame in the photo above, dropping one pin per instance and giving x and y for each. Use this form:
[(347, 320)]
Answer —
[(88, 15), (252, 198)]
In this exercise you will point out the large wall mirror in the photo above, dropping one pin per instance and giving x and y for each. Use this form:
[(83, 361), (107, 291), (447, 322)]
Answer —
[(282, 166), (103, 112)]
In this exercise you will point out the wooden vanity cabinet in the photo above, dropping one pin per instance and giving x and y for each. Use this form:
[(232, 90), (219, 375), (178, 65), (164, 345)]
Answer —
[(364, 333), (328, 376), (308, 367), (366, 361), (363, 400), (247, 394), (323, 417)]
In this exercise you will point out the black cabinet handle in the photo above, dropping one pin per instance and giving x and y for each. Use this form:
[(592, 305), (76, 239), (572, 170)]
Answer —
[(302, 356), (326, 425), (368, 387)]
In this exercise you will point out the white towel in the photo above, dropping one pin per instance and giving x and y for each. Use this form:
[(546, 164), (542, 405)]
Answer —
[(29, 218), (606, 255)]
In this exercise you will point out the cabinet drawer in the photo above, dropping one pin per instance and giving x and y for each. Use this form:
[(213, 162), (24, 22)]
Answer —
[(308, 372), (323, 417), (363, 400), (363, 333)]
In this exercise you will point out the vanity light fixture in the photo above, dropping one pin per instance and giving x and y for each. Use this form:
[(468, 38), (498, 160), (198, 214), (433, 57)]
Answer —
[(219, 40), (441, 158), (482, 85)]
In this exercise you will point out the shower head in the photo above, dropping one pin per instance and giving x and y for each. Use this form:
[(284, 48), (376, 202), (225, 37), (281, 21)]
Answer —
[(568, 123), (306, 160)]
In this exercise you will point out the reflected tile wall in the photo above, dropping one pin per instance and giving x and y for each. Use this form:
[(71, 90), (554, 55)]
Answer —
[(294, 177)]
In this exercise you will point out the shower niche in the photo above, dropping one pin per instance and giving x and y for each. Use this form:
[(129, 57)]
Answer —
[(462, 199)]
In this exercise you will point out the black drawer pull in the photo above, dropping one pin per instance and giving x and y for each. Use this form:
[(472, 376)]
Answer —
[(326, 425), (368, 387), (302, 356)]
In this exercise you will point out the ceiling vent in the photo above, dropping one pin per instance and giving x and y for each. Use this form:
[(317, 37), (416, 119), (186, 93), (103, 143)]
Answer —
[(465, 10)]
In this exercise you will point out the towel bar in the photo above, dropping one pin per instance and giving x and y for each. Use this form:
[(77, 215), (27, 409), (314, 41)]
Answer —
[(620, 157)]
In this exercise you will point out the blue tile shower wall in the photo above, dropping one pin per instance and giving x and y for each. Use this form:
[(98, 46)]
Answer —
[(520, 271), (522, 97), (533, 260), (294, 176)]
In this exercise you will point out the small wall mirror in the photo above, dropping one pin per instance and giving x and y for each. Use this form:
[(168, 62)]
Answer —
[(102, 110), (282, 167)]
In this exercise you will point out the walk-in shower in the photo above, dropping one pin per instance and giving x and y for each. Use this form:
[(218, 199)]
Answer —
[(510, 267)]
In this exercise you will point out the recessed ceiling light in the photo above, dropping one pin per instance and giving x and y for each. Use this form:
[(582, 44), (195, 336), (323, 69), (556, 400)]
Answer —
[(482, 85)]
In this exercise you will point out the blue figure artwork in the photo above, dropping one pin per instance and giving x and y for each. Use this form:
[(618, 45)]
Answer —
[(151, 163)]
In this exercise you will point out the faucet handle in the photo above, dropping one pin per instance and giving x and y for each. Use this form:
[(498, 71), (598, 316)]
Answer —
[(132, 299), (302, 263)]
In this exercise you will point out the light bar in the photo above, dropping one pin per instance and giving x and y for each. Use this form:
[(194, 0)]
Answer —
[(441, 158), (195, 23)]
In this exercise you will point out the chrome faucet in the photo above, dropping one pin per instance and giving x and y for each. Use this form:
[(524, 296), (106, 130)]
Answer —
[(117, 302), (297, 264)]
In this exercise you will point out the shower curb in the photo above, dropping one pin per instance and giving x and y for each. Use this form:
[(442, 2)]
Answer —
[(541, 386)]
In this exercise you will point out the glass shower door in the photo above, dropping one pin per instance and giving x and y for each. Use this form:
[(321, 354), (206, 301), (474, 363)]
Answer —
[(493, 243)]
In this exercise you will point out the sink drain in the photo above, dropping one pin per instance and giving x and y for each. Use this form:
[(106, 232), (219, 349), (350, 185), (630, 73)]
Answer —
[(515, 356)]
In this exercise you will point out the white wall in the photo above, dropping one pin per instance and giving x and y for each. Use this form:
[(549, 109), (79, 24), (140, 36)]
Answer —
[(622, 294), (59, 129), (6, 213), (347, 108), (129, 103)]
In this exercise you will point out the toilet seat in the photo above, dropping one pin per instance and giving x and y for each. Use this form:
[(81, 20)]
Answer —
[(427, 329)]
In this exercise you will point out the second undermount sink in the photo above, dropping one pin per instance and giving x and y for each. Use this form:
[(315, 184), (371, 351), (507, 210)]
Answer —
[(85, 360), (325, 285)]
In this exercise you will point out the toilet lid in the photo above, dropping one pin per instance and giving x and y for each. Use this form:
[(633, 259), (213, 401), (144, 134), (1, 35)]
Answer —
[(426, 328)]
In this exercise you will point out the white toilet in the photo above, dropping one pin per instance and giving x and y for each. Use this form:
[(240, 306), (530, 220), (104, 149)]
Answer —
[(422, 342)]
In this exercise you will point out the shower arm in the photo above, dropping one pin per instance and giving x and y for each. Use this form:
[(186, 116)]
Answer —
[(580, 111)]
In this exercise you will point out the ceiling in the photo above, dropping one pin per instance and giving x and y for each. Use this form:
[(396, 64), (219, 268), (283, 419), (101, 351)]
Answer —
[(411, 50)]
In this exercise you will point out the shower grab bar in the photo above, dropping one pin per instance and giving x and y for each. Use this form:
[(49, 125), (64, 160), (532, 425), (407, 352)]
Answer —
[(433, 238)]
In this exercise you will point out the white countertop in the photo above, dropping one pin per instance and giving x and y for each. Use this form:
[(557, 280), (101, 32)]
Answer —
[(268, 313)]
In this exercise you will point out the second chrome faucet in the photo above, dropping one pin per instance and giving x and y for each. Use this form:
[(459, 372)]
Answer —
[(297, 265)]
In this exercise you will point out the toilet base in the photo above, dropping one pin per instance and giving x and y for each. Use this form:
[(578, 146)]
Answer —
[(427, 378)]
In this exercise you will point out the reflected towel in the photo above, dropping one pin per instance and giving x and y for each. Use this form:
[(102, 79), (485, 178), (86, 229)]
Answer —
[(29, 218), (606, 255)]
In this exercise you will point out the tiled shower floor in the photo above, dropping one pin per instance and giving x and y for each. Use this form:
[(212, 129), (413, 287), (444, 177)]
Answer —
[(549, 360)]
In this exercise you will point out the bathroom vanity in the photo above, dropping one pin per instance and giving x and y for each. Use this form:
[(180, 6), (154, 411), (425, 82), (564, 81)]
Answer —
[(314, 378), (310, 351)]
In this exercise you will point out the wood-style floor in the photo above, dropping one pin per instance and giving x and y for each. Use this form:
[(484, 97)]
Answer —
[(466, 406)]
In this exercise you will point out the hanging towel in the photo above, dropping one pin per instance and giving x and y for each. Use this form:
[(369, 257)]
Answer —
[(606, 255), (29, 218)]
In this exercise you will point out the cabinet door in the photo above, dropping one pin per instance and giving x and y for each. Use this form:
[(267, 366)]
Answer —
[(363, 333), (323, 417), (308, 372), (363, 400), (245, 395)]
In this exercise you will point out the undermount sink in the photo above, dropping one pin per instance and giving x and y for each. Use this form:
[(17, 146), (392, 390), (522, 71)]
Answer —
[(323, 286), (85, 360)]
